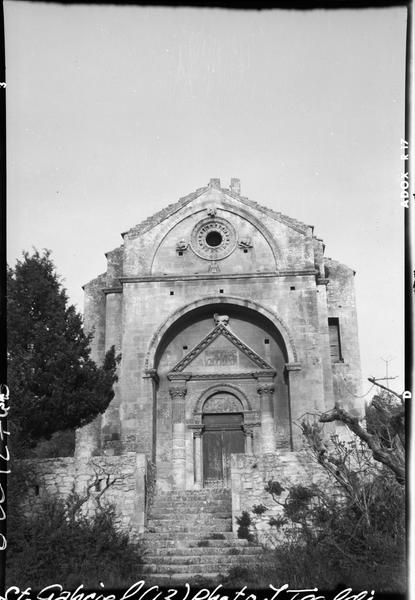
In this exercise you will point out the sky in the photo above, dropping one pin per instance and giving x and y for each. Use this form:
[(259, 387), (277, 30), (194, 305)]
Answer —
[(114, 112)]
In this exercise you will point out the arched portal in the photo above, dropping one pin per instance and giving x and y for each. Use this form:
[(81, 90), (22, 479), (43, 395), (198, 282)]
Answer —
[(221, 390)]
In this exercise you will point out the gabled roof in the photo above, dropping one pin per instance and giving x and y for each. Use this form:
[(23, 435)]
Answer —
[(163, 214), (218, 330)]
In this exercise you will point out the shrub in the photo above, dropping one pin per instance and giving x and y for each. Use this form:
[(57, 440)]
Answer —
[(59, 544), (245, 522)]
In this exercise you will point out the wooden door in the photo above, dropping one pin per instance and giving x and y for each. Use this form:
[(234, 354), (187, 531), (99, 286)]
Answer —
[(222, 437)]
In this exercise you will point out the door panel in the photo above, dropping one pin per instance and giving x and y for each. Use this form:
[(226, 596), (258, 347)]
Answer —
[(212, 456), (222, 437), (233, 442)]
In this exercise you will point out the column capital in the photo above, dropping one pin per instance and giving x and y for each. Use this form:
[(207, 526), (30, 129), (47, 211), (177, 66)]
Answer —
[(265, 388), (248, 428), (152, 373), (178, 391)]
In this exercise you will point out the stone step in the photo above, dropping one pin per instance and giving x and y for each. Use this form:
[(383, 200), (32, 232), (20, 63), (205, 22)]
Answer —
[(177, 578), (192, 536), (205, 493), (208, 524), (190, 506), (219, 528), (192, 510), (171, 516), (238, 550), (187, 569), (205, 559), (193, 544)]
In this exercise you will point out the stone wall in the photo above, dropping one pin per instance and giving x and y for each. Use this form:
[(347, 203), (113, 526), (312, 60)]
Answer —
[(251, 473), (119, 480)]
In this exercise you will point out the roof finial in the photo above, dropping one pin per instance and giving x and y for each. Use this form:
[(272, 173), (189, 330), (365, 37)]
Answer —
[(214, 183), (236, 186)]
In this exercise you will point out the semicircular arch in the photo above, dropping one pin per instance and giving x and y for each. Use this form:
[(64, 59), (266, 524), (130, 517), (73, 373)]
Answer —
[(217, 389), (184, 311), (227, 207)]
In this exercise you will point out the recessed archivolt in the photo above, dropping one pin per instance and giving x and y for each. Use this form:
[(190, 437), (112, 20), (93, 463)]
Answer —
[(225, 300)]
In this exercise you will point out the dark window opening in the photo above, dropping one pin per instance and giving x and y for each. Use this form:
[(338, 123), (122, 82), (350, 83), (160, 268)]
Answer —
[(334, 340), (292, 287), (36, 490), (184, 347), (245, 250), (171, 293), (220, 291), (266, 341), (180, 253), (213, 239)]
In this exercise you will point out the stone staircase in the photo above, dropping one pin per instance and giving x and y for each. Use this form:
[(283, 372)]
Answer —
[(189, 538)]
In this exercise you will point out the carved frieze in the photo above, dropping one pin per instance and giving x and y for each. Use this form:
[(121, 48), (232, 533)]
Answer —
[(222, 403)]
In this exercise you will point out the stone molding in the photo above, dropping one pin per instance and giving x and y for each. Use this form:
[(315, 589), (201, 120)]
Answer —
[(216, 376), (294, 366), (201, 276), (221, 329)]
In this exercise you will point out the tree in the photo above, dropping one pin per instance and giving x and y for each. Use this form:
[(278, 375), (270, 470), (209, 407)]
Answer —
[(56, 385), (385, 428)]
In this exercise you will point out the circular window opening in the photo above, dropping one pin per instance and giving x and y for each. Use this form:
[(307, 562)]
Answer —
[(213, 239)]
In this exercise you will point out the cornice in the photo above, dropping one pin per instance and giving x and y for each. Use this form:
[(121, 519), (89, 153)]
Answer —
[(216, 276), (217, 376)]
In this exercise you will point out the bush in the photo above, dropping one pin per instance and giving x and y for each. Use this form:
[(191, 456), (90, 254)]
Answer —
[(61, 545), (245, 522)]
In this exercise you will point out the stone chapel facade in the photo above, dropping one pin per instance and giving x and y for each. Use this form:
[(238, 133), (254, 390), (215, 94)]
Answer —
[(232, 324)]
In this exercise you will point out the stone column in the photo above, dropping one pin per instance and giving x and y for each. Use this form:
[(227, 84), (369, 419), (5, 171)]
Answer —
[(295, 387), (248, 432), (266, 393), (178, 394), (197, 436)]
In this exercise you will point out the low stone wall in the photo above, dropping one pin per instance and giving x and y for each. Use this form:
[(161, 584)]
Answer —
[(251, 473), (119, 480)]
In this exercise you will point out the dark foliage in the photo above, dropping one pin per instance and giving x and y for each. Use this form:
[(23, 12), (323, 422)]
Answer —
[(244, 522), (58, 544), (56, 386), (259, 509)]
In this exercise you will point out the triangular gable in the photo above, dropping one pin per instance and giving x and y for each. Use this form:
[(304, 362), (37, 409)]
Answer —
[(165, 213), (234, 352)]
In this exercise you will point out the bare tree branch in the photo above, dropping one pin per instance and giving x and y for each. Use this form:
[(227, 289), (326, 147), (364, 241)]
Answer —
[(386, 456), (373, 380)]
